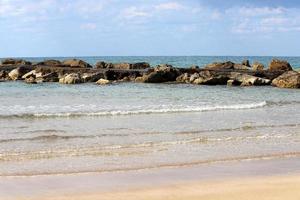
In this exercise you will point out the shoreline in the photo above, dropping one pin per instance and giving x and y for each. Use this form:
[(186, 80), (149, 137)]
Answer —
[(166, 182)]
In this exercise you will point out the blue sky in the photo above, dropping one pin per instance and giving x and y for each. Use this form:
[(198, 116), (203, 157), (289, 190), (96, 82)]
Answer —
[(149, 27)]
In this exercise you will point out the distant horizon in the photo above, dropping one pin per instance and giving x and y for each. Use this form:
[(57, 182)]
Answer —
[(147, 56)]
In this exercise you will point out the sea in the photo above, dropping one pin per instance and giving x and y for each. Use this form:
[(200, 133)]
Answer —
[(51, 128)]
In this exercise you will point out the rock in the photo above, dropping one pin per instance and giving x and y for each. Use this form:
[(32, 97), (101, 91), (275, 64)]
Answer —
[(161, 74), (30, 80), (103, 65), (48, 77), (76, 63), (91, 77), (226, 66), (124, 66), (140, 65), (139, 79), (279, 65), (50, 63), (258, 66), (211, 78), (183, 78), (11, 61), (248, 80), (246, 63), (193, 77), (102, 81), (220, 65), (29, 74), (3, 75), (290, 79), (233, 83), (73, 78), (16, 74)]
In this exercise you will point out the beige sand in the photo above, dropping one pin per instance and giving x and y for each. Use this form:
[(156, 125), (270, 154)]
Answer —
[(253, 188)]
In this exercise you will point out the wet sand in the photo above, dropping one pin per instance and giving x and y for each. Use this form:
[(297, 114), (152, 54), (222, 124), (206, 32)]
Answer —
[(260, 179)]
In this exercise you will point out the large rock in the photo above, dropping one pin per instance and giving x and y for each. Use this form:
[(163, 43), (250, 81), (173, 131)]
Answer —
[(290, 79), (248, 80), (55, 63), (211, 78), (40, 77), (226, 66), (124, 66), (16, 74), (183, 78), (48, 77), (11, 61), (3, 75), (73, 78), (76, 63), (91, 77), (258, 66), (102, 81), (161, 74), (279, 65), (104, 65)]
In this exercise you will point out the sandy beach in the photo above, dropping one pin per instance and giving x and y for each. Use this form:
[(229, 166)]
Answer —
[(258, 179), (247, 188), (263, 188)]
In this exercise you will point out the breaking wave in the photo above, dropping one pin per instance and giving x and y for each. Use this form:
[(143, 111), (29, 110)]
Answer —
[(139, 111)]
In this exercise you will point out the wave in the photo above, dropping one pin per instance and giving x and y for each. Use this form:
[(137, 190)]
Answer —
[(271, 156), (141, 111)]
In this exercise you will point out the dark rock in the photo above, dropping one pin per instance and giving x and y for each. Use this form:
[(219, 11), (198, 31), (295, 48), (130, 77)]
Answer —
[(211, 78), (3, 75), (161, 74), (55, 63), (124, 66), (290, 79), (91, 77), (16, 62), (76, 63), (246, 63), (233, 83), (279, 65), (226, 66), (103, 65), (30, 80)]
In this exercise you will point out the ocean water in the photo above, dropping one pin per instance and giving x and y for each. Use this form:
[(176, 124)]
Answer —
[(52, 128)]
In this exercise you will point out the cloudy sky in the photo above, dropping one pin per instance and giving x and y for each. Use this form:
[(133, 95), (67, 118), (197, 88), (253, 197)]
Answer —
[(149, 27)]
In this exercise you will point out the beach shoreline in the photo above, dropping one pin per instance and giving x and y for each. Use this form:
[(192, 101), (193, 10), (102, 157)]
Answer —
[(276, 178)]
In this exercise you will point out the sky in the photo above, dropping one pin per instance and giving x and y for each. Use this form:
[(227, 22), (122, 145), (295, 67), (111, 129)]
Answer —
[(46, 28)]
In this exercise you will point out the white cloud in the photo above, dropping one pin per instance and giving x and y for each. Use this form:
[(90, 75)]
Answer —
[(88, 26), (18, 8), (263, 19), (83, 7), (169, 6), (134, 12)]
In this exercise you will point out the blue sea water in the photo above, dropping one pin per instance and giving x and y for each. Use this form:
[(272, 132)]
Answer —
[(178, 61), (51, 128)]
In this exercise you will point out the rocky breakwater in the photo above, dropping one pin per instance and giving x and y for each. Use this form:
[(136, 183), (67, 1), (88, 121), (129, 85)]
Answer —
[(73, 71)]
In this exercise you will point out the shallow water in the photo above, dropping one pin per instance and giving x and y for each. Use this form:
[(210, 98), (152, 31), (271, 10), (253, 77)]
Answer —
[(52, 128)]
